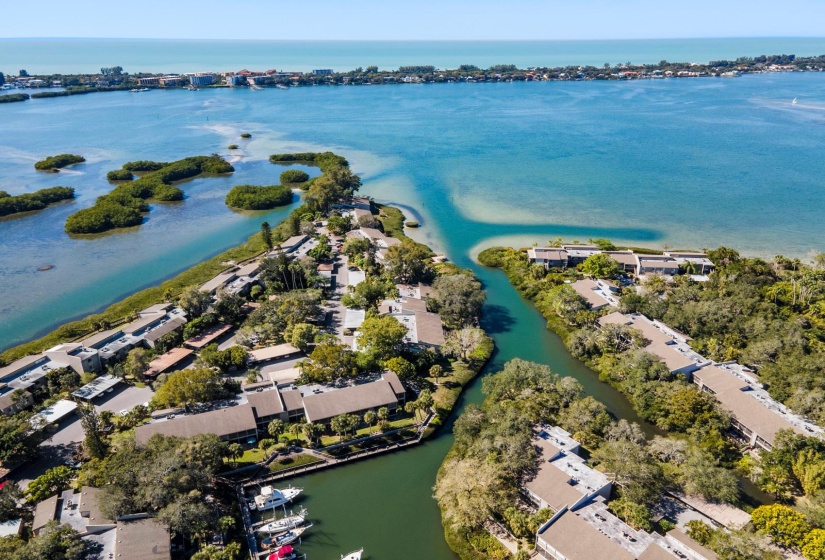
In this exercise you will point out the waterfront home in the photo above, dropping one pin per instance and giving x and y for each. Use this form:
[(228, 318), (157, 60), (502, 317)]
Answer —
[(656, 264), (669, 346), (577, 254), (548, 257), (424, 330), (755, 415), (79, 357), (152, 337), (233, 424), (214, 284), (595, 293), (625, 259), (700, 261), (293, 243), (322, 407), (319, 404), (563, 479), (377, 237), (592, 532), (27, 373)]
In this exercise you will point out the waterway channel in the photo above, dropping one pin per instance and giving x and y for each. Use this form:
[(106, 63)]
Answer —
[(385, 504)]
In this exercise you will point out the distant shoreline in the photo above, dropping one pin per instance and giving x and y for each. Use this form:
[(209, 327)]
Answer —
[(115, 79)]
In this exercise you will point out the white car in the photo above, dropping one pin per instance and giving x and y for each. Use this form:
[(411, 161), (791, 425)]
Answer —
[(124, 412)]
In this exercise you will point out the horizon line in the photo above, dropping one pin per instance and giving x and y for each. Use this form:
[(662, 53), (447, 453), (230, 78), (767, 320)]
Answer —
[(305, 40)]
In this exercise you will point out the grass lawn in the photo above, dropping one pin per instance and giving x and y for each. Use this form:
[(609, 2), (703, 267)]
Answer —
[(290, 462), (394, 424), (249, 457)]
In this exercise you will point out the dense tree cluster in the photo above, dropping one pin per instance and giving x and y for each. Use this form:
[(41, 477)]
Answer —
[(168, 477), (53, 163), (125, 204), (250, 197), (36, 200), (292, 176)]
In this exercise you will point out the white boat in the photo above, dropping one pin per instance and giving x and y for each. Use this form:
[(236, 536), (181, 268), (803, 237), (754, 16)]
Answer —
[(139, 90), (285, 524), (271, 497), (353, 555), (290, 537), (281, 86), (794, 101)]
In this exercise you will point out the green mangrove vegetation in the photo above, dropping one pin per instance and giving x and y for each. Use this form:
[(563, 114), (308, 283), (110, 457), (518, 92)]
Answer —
[(291, 176), (14, 97), (246, 135), (54, 163), (198, 274), (323, 160), (120, 175), (125, 204), (250, 197), (37, 200)]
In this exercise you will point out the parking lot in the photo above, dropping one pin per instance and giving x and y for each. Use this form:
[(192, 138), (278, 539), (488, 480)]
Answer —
[(63, 443)]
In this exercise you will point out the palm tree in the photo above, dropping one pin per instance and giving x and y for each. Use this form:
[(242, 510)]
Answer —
[(296, 428), (369, 418), (313, 432), (275, 428), (235, 451), (383, 413)]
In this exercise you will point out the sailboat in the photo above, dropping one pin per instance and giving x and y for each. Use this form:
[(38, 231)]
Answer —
[(794, 101), (353, 555), (285, 524)]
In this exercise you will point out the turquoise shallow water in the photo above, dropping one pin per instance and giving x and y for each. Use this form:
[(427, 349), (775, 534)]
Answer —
[(688, 163), (153, 55)]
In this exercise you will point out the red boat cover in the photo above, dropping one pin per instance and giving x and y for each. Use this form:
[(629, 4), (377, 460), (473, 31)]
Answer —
[(281, 553)]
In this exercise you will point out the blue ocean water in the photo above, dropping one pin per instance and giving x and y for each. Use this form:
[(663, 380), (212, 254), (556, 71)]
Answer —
[(687, 163), (156, 55)]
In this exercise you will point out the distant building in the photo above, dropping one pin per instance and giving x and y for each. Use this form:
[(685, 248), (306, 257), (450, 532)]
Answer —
[(149, 81), (199, 80), (322, 72)]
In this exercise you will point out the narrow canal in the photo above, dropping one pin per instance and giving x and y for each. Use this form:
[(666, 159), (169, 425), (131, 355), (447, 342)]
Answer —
[(385, 504)]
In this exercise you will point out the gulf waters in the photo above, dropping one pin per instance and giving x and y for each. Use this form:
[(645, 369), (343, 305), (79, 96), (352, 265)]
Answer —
[(689, 163), (163, 55)]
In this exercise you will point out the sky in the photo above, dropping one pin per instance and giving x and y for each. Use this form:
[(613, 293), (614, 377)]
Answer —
[(413, 19)]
